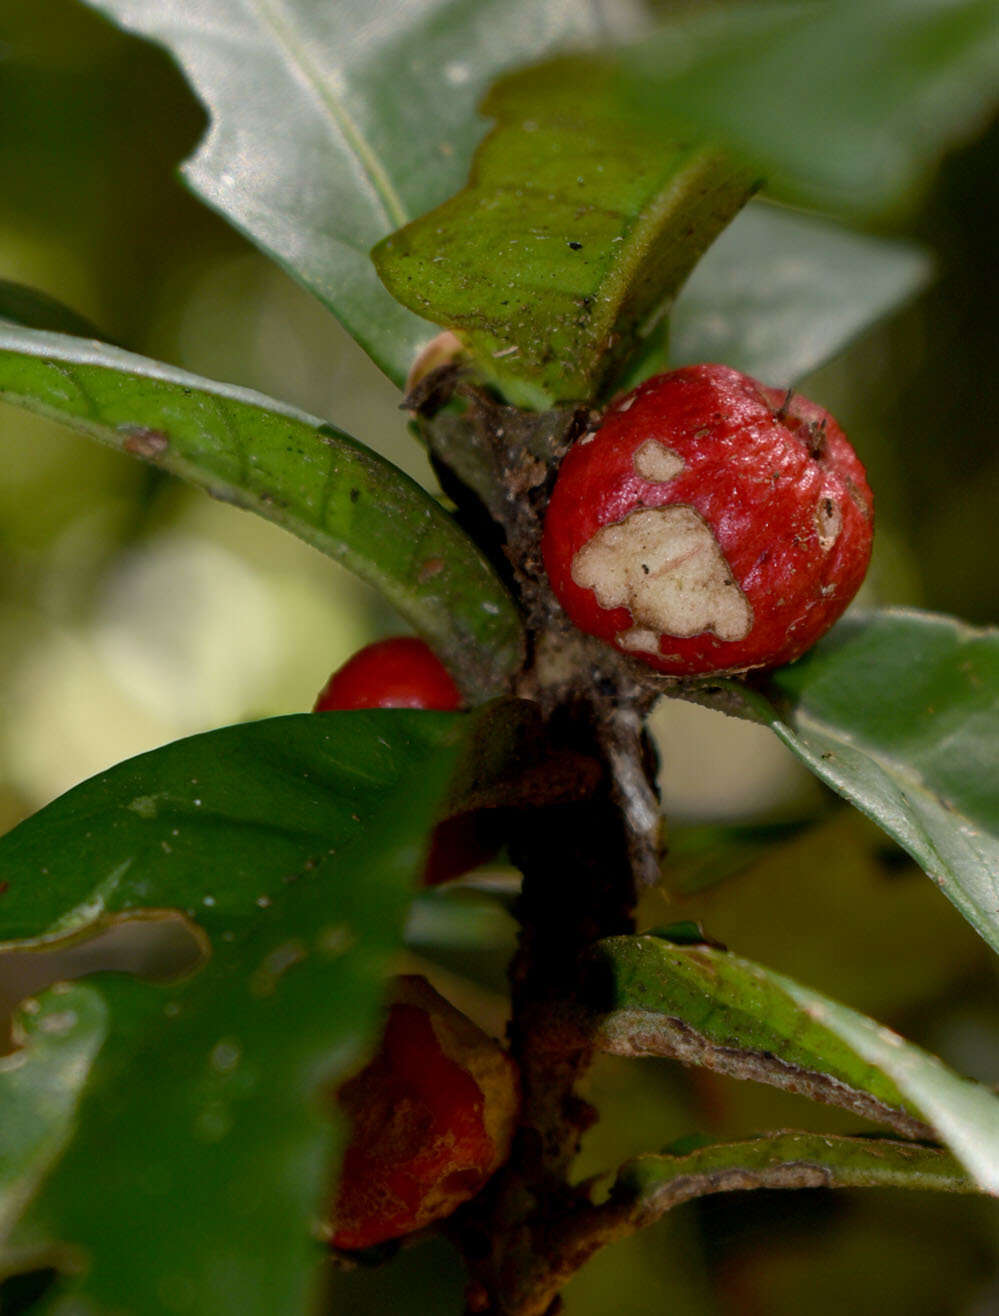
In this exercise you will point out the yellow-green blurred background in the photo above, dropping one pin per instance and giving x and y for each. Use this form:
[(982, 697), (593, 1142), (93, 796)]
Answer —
[(134, 610)]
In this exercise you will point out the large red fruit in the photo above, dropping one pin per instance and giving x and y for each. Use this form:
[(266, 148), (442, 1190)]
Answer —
[(400, 672), (433, 1116), (710, 524)]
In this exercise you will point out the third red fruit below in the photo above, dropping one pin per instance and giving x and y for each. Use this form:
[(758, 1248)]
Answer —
[(710, 524)]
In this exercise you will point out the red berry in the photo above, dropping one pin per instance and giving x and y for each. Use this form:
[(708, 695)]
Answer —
[(404, 672), (433, 1117), (401, 672), (710, 524)]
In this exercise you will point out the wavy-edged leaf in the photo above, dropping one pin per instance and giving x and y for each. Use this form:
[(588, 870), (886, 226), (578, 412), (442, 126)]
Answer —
[(781, 293), (334, 123), (708, 1007), (293, 843), (845, 105), (898, 711), (58, 1036), (291, 468), (572, 238)]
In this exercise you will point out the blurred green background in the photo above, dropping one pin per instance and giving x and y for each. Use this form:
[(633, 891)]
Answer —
[(134, 611)]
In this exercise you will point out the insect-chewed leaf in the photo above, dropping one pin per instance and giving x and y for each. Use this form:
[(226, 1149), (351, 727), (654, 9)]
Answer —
[(205, 1117)]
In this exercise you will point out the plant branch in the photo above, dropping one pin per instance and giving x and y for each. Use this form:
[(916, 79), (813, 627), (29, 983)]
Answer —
[(650, 1186)]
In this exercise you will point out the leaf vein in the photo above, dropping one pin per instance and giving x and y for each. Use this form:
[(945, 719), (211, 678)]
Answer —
[(270, 14)]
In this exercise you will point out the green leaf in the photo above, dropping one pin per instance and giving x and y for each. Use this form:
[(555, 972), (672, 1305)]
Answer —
[(206, 1117), (332, 124), (653, 1185), (57, 1037), (845, 105), (780, 293), (964, 1114), (292, 469), (37, 310), (898, 711), (708, 1007), (572, 238)]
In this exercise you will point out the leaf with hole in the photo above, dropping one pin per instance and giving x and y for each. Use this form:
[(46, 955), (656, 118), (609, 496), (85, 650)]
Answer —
[(291, 846)]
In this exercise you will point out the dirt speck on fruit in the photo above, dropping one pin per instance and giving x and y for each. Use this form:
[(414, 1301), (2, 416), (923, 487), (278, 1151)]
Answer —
[(666, 567), (828, 522)]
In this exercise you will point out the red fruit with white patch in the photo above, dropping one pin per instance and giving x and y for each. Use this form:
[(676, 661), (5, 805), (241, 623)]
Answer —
[(433, 1116), (404, 672), (710, 524)]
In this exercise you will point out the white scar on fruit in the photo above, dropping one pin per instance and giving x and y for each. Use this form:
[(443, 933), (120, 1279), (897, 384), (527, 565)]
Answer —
[(654, 462), (666, 567), (828, 522)]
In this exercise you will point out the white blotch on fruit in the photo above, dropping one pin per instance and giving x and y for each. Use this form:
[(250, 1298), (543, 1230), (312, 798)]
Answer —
[(637, 640), (654, 462), (666, 567)]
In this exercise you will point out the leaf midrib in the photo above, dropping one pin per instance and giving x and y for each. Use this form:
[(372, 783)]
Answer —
[(269, 14)]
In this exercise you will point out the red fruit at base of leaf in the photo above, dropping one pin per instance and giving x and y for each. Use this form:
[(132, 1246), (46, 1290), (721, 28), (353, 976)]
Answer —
[(400, 672), (404, 672), (433, 1116), (709, 525)]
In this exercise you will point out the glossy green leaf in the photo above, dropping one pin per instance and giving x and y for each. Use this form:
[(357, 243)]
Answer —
[(292, 469), (898, 711), (334, 123), (844, 104), (781, 293), (572, 238), (206, 1117), (37, 310), (709, 1007), (965, 1115), (655, 1184), (40, 1083)]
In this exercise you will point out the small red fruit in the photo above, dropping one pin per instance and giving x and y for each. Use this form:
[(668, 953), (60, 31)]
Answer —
[(433, 1116), (710, 524), (404, 672), (401, 672)]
